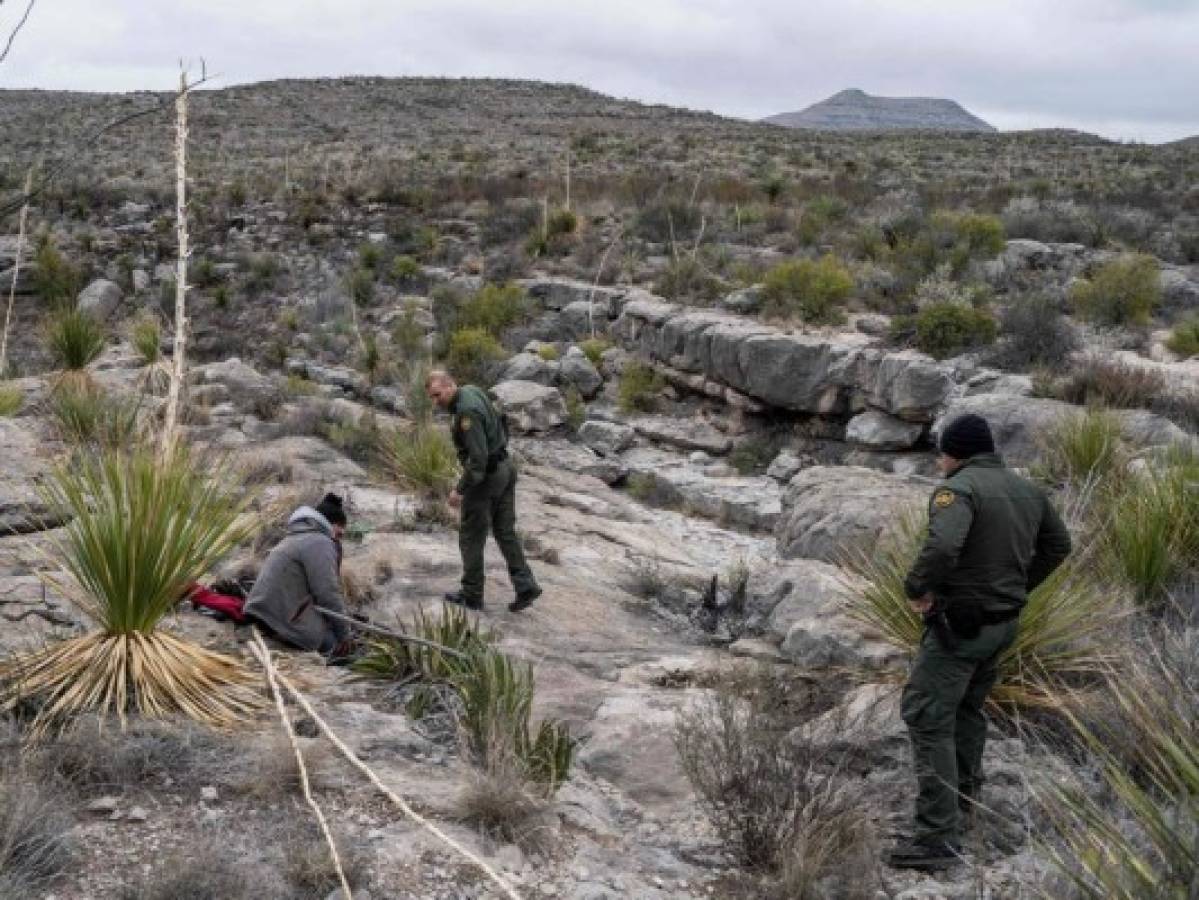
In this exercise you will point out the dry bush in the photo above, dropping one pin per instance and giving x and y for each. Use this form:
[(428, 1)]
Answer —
[(785, 804), (308, 863), (1102, 381), (498, 802), (35, 842), (266, 768), (202, 874)]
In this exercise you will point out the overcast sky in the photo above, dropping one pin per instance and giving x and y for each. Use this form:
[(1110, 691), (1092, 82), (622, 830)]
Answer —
[(1125, 69)]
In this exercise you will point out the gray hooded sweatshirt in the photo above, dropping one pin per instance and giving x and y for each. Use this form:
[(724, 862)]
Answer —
[(300, 577)]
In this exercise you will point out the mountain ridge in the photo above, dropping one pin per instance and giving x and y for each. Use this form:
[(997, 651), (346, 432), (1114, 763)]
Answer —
[(855, 110)]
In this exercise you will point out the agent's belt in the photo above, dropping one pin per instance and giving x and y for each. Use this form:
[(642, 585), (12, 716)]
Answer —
[(494, 460)]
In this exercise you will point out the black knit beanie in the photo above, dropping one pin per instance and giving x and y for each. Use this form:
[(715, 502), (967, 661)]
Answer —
[(332, 509), (967, 436)]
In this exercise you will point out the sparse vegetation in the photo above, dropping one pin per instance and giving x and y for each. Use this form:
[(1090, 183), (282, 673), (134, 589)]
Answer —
[(946, 329), (55, 279), (639, 388), (1034, 334), (593, 349), (1082, 448), (421, 459), (1184, 339), (88, 417), (146, 336), (11, 399), (472, 356), (74, 339), (35, 836)]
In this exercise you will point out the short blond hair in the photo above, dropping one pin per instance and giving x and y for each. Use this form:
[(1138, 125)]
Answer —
[(437, 376)]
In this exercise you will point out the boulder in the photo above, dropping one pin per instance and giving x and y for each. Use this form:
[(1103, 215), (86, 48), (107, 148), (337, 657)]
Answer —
[(341, 378), (1179, 291), (784, 466), (606, 438), (744, 301), (686, 434), (529, 367), (530, 407), (806, 373), (576, 370), (1020, 423), (877, 429), (100, 299), (829, 511)]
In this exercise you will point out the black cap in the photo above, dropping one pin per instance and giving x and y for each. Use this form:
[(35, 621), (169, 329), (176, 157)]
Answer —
[(967, 436), (332, 509)]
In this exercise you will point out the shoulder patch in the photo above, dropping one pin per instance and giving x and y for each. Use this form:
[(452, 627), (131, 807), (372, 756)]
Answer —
[(464, 423), (943, 498)]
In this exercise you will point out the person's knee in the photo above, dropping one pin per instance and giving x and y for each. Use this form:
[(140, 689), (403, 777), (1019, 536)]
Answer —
[(926, 714)]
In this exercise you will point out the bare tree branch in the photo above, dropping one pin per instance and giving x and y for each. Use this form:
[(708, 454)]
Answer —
[(13, 36)]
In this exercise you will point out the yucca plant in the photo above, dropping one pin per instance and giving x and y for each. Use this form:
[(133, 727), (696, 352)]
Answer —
[(1141, 839), (74, 339), (86, 416), (1081, 447), (395, 659), (142, 528), (421, 458), (1062, 628), (11, 399)]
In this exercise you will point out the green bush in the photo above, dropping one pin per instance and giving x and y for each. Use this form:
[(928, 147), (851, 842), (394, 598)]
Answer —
[(639, 388), (74, 338), (370, 257), (981, 235), (55, 279), (1034, 334), (11, 399), (261, 271), (946, 328), (593, 349), (472, 355), (1124, 291), (146, 336), (408, 337), (548, 352), (85, 416), (494, 309), (405, 269), (668, 220), (1184, 339), (360, 285), (686, 278), (1099, 381), (814, 290)]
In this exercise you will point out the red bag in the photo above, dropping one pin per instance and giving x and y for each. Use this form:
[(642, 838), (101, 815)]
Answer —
[(233, 607)]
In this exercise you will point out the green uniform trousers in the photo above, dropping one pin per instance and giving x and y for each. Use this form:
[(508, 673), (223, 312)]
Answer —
[(943, 708), (491, 506)]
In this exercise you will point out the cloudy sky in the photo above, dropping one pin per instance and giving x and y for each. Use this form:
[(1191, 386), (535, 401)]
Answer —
[(1122, 68)]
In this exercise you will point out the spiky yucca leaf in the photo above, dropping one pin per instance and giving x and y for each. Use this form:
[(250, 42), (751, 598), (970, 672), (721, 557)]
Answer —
[(420, 458), (141, 529), (74, 338), (1062, 627)]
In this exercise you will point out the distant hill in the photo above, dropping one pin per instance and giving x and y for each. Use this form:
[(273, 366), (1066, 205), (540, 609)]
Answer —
[(855, 110), (1191, 142)]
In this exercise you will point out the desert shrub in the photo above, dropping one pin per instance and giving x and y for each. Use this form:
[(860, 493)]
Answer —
[(782, 803), (645, 578), (1099, 381), (576, 409), (1082, 448), (74, 338), (55, 279), (405, 269), (981, 235), (494, 309), (472, 355), (308, 863), (87, 416), (421, 458), (756, 452), (204, 273), (814, 290), (200, 874), (639, 388), (593, 349), (1152, 533), (1137, 836), (1034, 334), (553, 236), (408, 337), (262, 269), (370, 257), (498, 802), (11, 399), (35, 836), (1184, 339), (360, 286), (668, 220), (1065, 627), (945, 329), (687, 278), (548, 352), (1124, 291), (146, 336), (507, 221)]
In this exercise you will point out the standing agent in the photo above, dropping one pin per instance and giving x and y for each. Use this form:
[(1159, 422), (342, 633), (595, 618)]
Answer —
[(992, 538), (486, 492)]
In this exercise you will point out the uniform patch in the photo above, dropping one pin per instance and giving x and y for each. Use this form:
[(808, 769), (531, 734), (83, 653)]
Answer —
[(465, 423), (942, 499)]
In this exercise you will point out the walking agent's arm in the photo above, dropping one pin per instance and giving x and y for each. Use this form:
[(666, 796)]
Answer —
[(1053, 546), (320, 568), (950, 514), (474, 467)]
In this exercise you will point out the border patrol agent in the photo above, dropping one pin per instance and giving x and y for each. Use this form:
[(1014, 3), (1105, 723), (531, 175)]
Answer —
[(486, 492), (992, 538)]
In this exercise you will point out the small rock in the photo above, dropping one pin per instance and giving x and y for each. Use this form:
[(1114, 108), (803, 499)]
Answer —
[(104, 804), (137, 814), (100, 298), (208, 793)]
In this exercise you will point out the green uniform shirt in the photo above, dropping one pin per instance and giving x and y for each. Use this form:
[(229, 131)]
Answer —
[(478, 434), (992, 538)]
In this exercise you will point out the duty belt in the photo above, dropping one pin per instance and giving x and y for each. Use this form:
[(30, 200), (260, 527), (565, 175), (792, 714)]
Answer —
[(494, 460)]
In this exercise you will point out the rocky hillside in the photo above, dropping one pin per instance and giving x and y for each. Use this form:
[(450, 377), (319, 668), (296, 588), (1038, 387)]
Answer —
[(855, 110), (725, 352)]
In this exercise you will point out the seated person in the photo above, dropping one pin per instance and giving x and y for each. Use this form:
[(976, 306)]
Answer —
[(302, 576)]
